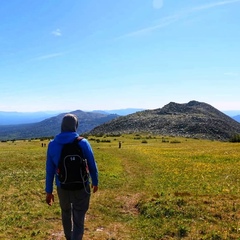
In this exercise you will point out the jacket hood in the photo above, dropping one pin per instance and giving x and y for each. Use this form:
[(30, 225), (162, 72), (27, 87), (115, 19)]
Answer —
[(65, 137), (69, 123)]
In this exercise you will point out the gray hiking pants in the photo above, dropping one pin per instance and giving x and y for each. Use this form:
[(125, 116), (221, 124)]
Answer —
[(74, 205)]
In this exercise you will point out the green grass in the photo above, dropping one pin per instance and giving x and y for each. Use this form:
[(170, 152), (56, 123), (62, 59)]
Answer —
[(149, 189)]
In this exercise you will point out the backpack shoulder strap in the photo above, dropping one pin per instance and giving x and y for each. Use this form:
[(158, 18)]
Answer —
[(76, 141), (79, 138)]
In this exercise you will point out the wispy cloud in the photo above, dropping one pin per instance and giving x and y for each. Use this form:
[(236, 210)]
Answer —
[(213, 5), (53, 55), (57, 33), (164, 22)]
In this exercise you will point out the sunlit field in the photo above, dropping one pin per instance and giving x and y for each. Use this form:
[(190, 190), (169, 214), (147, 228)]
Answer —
[(150, 188)]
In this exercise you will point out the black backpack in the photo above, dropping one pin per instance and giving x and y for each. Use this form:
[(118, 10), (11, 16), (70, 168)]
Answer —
[(72, 170)]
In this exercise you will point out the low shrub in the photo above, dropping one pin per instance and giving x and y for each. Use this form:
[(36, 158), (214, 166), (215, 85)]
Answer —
[(235, 138)]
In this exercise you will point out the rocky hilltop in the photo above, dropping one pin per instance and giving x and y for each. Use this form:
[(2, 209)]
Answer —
[(193, 119)]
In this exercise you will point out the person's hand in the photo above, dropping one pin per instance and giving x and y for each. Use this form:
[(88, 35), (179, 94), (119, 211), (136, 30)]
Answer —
[(95, 188), (49, 199)]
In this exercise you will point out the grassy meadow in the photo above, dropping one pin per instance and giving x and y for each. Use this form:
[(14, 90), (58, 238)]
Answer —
[(150, 188)]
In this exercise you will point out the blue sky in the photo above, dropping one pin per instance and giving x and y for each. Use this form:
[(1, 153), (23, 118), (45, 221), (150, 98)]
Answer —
[(108, 54)]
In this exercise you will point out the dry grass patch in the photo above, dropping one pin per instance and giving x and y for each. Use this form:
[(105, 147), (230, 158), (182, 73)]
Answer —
[(129, 203)]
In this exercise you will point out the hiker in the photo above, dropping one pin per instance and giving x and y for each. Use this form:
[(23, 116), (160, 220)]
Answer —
[(73, 203)]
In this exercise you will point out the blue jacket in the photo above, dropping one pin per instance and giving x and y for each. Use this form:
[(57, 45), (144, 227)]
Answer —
[(53, 156)]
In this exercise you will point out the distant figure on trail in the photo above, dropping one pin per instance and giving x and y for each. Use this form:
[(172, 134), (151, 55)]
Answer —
[(74, 201)]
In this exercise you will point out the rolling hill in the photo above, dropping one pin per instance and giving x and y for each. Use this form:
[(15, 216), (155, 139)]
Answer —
[(193, 119), (14, 118), (51, 126)]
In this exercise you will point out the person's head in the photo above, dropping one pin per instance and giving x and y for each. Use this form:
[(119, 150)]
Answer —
[(69, 123)]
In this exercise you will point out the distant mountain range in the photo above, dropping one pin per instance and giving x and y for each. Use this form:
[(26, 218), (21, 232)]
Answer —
[(232, 113), (52, 126), (193, 119), (235, 114), (121, 112), (236, 118), (12, 118)]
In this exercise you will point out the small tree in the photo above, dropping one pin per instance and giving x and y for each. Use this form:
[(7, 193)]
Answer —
[(235, 138)]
